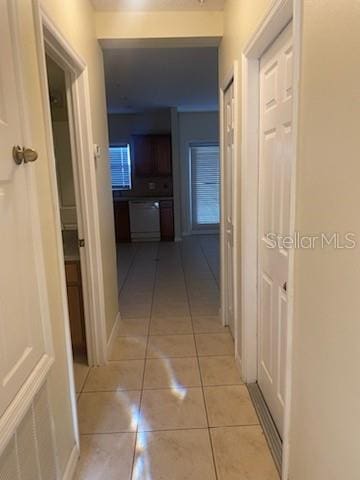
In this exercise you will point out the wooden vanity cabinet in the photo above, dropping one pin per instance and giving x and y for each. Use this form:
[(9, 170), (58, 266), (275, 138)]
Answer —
[(76, 306)]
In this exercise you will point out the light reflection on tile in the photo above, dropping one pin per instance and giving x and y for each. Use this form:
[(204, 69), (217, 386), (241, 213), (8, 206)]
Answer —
[(166, 409), (120, 375), (129, 348), (167, 372), (161, 283), (108, 412), (107, 457), (175, 455), (171, 346)]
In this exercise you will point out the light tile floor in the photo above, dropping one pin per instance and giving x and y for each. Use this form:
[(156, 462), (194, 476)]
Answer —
[(170, 405)]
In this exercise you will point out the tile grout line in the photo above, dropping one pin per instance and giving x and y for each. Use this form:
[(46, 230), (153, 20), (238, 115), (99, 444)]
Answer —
[(145, 359), (165, 387), (198, 363), (209, 266), (128, 273), (182, 429), (173, 334), (169, 356), (86, 379)]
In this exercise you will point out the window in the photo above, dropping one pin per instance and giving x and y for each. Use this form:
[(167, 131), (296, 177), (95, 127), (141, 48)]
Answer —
[(120, 165), (205, 185)]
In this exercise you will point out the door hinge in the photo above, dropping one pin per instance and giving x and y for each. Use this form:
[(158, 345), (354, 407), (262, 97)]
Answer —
[(81, 242)]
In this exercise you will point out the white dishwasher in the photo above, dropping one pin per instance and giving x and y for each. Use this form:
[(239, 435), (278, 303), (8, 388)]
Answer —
[(144, 220)]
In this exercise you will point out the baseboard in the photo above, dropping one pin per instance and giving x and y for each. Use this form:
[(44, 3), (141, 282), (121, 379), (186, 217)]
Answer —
[(213, 231), (113, 335), (72, 463), (238, 363), (268, 425)]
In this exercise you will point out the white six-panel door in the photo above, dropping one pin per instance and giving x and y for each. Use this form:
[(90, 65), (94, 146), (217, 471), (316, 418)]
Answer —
[(229, 204), (275, 138), (22, 342)]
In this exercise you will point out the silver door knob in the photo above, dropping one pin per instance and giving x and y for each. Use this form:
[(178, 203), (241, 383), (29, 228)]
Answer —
[(22, 154), (18, 154), (30, 155)]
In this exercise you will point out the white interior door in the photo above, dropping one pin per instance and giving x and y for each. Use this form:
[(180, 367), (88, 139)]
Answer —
[(275, 131), (229, 104), (22, 339)]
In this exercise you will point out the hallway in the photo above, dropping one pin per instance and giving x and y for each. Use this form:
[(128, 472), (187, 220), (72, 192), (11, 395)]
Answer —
[(170, 405)]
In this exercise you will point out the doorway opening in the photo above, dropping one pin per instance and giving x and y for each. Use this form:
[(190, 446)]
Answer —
[(70, 210), (163, 118)]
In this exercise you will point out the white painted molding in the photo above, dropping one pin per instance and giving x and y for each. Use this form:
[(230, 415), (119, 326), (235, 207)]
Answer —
[(72, 463), (231, 76), (59, 48), (222, 203), (278, 16), (113, 335), (23, 400), (238, 363)]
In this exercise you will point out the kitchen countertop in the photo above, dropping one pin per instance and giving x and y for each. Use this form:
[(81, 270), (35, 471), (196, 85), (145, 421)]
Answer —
[(71, 245)]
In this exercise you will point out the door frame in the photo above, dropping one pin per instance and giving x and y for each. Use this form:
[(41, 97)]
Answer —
[(50, 40), (233, 75), (279, 15)]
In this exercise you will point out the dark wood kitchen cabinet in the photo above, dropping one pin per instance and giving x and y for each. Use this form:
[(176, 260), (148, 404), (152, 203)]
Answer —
[(162, 155), (144, 157), (152, 154), (122, 221), (167, 220)]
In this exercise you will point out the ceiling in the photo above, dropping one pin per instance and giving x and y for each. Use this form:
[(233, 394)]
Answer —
[(157, 5), (139, 79)]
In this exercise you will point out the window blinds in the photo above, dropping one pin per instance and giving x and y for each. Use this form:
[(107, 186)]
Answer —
[(205, 185), (120, 165)]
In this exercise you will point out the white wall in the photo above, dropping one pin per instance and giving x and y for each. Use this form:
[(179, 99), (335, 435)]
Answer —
[(160, 24), (122, 126), (193, 127), (325, 439)]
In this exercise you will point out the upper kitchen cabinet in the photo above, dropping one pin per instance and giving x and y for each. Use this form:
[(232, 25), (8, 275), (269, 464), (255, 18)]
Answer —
[(162, 155), (152, 155), (143, 156)]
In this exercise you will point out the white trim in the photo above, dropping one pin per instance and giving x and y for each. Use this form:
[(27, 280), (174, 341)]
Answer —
[(232, 76), (91, 261), (72, 464), (278, 16), (113, 335), (176, 171), (222, 203), (20, 405)]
